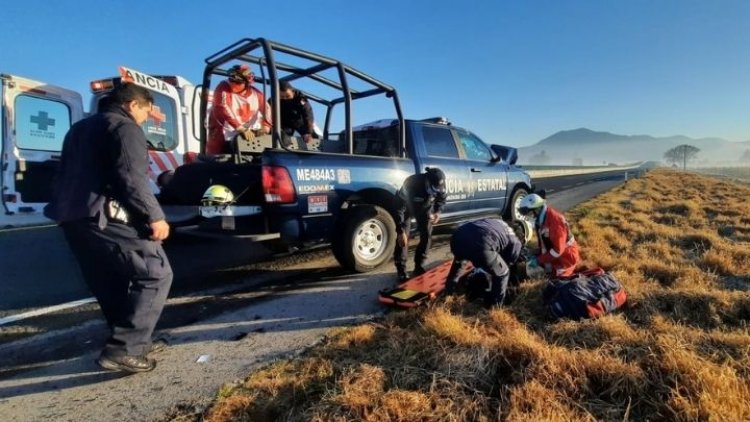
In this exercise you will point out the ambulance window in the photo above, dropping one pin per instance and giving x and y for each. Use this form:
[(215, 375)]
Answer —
[(41, 123), (161, 126)]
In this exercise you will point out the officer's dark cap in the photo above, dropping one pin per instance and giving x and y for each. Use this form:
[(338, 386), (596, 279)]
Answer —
[(436, 178)]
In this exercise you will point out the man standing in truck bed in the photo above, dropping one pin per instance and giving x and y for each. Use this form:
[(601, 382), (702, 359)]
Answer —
[(238, 109), (296, 113), (421, 197)]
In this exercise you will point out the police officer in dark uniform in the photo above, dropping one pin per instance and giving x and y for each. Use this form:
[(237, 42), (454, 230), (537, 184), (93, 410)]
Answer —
[(490, 245), (114, 225), (296, 113), (421, 197)]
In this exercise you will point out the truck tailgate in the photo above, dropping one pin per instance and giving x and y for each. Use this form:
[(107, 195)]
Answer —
[(191, 181)]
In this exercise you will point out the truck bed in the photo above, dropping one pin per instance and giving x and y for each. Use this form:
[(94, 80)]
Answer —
[(191, 181)]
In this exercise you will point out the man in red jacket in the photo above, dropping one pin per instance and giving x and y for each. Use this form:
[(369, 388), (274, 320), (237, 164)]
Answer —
[(237, 108), (558, 250)]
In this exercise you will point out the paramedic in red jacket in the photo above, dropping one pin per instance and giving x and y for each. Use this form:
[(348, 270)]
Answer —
[(237, 108), (558, 250)]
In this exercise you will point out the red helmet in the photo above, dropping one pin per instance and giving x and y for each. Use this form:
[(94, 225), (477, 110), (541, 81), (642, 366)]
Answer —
[(241, 73)]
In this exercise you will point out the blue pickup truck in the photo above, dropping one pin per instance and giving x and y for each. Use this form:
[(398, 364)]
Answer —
[(339, 189)]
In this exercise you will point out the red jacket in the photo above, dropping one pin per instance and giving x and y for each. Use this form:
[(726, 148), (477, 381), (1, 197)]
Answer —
[(557, 246), (231, 110)]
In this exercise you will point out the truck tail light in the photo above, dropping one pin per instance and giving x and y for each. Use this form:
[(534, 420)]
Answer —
[(10, 198), (277, 185)]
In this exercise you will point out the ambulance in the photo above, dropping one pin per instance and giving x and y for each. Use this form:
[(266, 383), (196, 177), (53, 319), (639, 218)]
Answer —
[(35, 117)]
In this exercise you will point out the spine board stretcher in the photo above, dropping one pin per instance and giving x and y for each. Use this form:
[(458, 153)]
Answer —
[(420, 289)]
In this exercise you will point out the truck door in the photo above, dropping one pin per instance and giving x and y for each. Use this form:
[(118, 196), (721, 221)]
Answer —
[(489, 177), (164, 130), (35, 118), (440, 150)]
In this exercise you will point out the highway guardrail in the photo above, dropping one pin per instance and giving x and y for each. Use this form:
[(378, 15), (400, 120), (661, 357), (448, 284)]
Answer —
[(540, 172)]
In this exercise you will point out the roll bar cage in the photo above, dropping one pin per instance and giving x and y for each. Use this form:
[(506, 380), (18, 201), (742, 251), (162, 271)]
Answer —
[(261, 52)]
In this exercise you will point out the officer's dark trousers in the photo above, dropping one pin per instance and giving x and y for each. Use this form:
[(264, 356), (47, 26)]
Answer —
[(130, 277), (467, 246), (401, 255)]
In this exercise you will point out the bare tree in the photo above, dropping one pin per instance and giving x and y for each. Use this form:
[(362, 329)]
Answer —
[(681, 154)]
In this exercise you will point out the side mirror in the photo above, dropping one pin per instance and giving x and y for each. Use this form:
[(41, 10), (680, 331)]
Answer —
[(507, 154)]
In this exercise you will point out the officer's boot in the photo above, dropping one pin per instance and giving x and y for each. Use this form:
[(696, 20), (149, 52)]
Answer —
[(418, 269), (401, 273), (495, 294)]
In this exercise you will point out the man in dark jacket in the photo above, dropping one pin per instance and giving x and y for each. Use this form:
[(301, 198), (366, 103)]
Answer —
[(296, 112), (422, 197), (493, 247), (114, 225)]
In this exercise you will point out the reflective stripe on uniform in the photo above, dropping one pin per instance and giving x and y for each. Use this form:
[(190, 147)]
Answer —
[(570, 242)]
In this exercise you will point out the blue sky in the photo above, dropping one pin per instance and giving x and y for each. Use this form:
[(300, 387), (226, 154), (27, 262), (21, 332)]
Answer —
[(514, 72)]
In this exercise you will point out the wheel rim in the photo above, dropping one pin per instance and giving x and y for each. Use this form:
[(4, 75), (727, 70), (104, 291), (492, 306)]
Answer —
[(370, 240), (516, 205)]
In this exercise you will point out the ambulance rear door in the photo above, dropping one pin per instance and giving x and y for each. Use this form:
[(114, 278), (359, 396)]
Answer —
[(35, 118)]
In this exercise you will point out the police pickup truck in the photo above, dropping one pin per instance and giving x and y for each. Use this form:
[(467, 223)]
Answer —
[(339, 189)]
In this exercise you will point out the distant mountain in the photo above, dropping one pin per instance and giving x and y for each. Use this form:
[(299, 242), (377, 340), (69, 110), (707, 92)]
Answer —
[(588, 147)]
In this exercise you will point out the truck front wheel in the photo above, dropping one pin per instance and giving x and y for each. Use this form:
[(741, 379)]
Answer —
[(511, 212), (366, 239)]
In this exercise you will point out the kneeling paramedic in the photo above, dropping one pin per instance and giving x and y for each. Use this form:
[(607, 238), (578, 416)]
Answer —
[(493, 247), (558, 250), (422, 197)]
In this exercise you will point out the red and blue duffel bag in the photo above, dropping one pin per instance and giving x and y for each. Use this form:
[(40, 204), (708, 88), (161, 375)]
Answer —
[(586, 294)]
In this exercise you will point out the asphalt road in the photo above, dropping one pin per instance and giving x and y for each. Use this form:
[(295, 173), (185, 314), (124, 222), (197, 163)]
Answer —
[(260, 313), (556, 184)]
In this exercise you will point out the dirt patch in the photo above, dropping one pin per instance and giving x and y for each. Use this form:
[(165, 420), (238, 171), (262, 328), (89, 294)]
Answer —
[(685, 209), (735, 283), (696, 243)]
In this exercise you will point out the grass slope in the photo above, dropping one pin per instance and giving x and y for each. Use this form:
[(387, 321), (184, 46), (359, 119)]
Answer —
[(679, 351)]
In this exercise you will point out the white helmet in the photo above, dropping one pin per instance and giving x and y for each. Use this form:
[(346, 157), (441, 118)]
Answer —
[(217, 195), (529, 203), (523, 230)]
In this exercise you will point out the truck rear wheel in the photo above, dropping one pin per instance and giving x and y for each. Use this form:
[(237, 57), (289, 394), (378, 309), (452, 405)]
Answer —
[(511, 212), (367, 238)]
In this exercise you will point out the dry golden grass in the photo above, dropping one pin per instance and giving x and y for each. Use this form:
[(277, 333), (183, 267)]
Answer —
[(679, 351)]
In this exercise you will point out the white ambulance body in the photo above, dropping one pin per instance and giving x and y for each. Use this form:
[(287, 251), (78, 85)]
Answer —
[(36, 116)]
